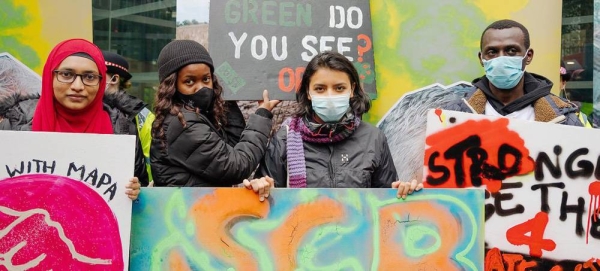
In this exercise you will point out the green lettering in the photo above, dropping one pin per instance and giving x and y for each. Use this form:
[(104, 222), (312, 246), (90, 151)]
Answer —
[(267, 12), (250, 11), (304, 13), (232, 16), (283, 14)]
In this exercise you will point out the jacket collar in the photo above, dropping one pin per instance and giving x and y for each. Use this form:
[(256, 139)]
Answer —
[(546, 109)]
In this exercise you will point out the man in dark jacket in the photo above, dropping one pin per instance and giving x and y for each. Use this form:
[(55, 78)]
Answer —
[(131, 112), (506, 89)]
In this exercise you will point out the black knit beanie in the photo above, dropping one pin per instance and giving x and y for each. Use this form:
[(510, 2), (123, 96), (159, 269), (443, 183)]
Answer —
[(179, 53)]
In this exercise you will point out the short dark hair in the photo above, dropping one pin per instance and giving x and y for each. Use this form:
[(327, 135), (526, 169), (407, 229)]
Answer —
[(504, 24), (360, 102)]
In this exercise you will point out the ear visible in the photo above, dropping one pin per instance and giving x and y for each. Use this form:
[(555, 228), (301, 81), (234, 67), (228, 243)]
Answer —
[(352, 91), (529, 56), (479, 57)]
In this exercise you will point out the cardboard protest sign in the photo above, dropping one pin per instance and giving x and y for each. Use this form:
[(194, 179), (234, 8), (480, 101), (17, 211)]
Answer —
[(307, 229), (257, 45), (543, 194), (63, 204)]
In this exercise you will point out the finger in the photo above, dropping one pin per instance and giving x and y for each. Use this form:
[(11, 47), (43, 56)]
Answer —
[(132, 182), (274, 103), (265, 96), (255, 185), (260, 190), (403, 189), (396, 184), (267, 189), (263, 189), (419, 187), (247, 184), (270, 180), (132, 197), (271, 184), (412, 187), (399, 188)]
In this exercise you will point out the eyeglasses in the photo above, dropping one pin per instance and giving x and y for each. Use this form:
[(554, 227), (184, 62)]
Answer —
[(88, 79)]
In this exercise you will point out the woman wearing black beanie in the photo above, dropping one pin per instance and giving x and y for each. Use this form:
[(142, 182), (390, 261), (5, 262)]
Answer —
[(190, 146)]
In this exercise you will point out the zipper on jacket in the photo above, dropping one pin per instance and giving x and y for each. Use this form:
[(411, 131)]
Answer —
[(331, 171)]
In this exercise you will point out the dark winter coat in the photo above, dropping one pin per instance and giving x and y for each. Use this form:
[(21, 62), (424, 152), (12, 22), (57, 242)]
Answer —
[(199, 154), (362, 160), (547, 106)]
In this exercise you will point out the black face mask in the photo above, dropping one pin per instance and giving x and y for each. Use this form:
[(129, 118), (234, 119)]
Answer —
[(202, 99)]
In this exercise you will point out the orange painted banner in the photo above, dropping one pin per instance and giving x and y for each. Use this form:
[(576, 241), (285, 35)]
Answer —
[(347, 229)]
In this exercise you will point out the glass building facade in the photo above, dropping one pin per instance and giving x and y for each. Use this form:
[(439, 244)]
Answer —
[(137, 30), (577, 52)]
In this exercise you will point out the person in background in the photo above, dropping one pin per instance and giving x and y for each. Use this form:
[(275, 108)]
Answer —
[(130, 114), (73, 84), (507, 89), (565, 76), (191, 145), (326, 144)]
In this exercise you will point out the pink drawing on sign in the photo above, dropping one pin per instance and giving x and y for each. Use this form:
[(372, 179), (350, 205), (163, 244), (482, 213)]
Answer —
[(49, 222), (594, 209)]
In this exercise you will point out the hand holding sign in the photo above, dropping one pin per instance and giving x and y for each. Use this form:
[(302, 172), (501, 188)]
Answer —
[(266, 103)]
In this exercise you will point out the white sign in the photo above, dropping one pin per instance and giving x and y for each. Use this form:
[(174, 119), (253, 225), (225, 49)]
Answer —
[(542, 183), (63, 204)]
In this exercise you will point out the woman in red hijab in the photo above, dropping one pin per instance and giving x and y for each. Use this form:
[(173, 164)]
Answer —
[(73, 84)]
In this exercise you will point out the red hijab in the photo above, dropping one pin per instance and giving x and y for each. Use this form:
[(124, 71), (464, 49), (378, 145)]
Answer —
[(51, 116)]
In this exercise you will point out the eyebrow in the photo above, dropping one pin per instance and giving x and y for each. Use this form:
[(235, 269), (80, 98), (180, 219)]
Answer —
[(73, 70), (337, 84), (194, 75), (512, 45)]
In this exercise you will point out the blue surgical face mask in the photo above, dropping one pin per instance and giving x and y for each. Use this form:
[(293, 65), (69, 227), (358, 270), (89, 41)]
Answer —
[(504, 72), (331, 108)]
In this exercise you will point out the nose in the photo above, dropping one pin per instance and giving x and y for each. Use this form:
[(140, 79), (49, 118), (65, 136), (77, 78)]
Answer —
[(77, 83)]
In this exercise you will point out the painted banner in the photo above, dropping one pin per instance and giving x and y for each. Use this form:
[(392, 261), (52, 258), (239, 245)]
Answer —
[(63, 204), (542, 206), (30, 29), (307, 229), (420, 43), (257, 45)]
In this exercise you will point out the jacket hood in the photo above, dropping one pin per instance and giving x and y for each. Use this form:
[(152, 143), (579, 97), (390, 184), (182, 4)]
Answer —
[(124, 102), (535, 87)]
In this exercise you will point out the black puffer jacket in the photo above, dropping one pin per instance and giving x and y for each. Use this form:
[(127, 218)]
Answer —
[(17, 113), (362, 160), (200, 155), (122, 109)]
